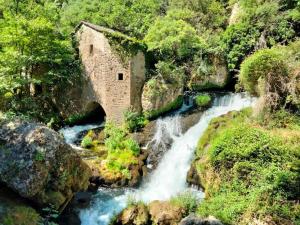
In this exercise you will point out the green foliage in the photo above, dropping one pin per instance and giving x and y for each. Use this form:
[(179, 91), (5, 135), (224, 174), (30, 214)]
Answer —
[(203, 100), (186, 200), (238, 41), (250, 172), (134, 121), (21, 215), (87, 142), (259, 65), (130, 17), (33, 56), (176, 104), (173, 38), (260, 24), (117, 140), (171, 73)]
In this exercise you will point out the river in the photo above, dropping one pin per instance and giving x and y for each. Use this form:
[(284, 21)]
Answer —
[(169, 178)]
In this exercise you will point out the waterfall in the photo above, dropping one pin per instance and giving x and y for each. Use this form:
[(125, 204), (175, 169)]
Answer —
[(169, 178)]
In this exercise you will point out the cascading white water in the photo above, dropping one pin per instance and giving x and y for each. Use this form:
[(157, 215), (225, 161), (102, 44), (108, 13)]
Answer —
[(169, 179), (71, 133)]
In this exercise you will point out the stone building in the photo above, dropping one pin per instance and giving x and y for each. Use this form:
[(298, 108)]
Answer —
[(114, 71)]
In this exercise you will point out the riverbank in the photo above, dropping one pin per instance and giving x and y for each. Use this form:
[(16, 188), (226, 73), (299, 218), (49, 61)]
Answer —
[(249, 169)]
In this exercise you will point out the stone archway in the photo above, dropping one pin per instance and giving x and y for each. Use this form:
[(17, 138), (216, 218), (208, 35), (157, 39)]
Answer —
[(95, 112)]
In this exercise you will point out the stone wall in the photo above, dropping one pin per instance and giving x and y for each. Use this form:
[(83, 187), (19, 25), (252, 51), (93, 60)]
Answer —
[(101, 81)]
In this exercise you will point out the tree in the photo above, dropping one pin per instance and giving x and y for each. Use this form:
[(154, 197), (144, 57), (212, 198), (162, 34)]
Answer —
[(173, 38)]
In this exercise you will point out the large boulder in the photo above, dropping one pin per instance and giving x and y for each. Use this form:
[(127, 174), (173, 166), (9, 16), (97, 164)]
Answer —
[(215, 76), (194, 220), (36, 163), (133, 215), (160, 97), (165, 213)]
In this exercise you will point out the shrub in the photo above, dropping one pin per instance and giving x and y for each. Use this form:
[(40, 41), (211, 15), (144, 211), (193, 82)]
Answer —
[(134, 121), (258, 66), (132, 145), (116, 140), (186, 200), (173, 38), (203, 100), (87, 142)]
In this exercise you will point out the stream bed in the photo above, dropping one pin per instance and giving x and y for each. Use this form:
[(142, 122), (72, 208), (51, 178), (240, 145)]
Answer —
[(169, 178)]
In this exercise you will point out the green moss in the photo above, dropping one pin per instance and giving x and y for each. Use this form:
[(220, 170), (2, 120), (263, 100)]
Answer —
[(176, 104), (250, 172), (205, 86), (21, 215), (203, 100)]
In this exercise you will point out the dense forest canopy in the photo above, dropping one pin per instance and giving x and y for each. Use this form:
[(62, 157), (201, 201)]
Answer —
[(184, 36)]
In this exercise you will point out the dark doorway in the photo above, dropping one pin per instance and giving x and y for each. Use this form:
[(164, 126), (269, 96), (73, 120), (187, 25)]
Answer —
[(94, 113)]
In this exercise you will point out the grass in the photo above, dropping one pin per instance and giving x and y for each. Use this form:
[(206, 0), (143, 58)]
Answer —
[(250, 171), (186, 200)]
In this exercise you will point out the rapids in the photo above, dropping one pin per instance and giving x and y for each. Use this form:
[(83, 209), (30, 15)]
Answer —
[(169, 178)]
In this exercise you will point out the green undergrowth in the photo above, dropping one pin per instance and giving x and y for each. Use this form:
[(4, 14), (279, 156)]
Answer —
[(250, 171), (187, 201), (115, 148), (176, 104), (134, 121)]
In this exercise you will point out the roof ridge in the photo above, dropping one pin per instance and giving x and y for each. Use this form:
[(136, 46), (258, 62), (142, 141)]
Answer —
[(102, 29)]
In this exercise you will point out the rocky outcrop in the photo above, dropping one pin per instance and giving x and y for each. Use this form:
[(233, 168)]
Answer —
[(194, 220), (104, 177), (165, 213), (160, 213), (159, 97), (134, 215), (216, 76), (157, 212), (38, 165)]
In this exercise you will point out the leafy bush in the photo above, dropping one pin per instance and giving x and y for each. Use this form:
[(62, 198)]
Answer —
[(134, 121), (173, 38), (203, 100), (259, 65), (116, 140)]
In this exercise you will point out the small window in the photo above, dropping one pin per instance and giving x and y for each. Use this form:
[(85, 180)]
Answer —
[(120, 76), (91, 49)]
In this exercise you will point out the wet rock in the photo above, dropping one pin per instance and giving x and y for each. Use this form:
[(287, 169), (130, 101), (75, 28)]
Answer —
[(38, 165), (165, 213), (216, 77), (193, 177), (194, 220), (133, 215), (157, 95)]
